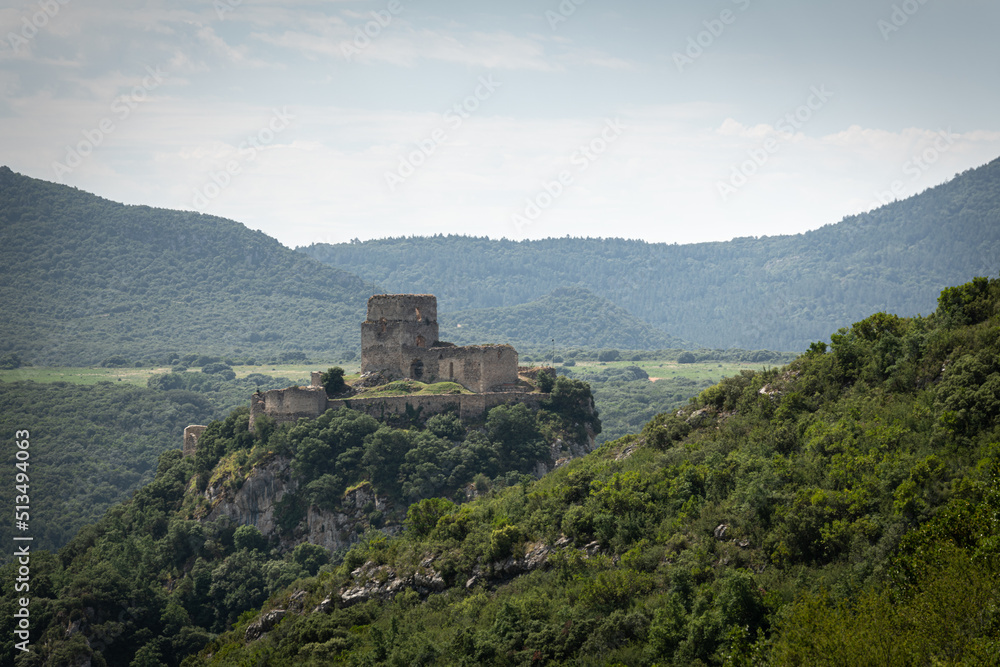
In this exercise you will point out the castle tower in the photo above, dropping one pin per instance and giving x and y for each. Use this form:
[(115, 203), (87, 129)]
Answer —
[(396, 324)]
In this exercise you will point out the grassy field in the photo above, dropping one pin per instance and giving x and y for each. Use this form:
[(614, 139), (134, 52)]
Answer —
[(661, 369), (412, 387), (139, 376)]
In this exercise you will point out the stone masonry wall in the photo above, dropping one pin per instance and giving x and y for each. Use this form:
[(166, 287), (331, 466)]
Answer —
[(396, 321), (479, 368), (191, 435), (288, 405)]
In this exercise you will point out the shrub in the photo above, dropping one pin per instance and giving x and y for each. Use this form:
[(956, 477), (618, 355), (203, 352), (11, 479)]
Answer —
[(333, 380), (545, 382), (249, 537)]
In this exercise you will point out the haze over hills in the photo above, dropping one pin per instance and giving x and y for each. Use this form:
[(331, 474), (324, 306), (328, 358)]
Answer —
[(87, 280), (775, 293), (92, 281), (570, 316), (84, 280)]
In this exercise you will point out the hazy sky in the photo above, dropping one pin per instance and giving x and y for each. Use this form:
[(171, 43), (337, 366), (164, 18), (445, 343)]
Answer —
[(666, 121)]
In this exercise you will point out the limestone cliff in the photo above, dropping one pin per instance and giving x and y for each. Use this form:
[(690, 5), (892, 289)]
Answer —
[(256, 500)]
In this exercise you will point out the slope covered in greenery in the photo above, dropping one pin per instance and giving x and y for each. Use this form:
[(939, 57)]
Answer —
[(93, 445), (843, 509), (85, 280), (158, 575), (776, 293), (567, 317)]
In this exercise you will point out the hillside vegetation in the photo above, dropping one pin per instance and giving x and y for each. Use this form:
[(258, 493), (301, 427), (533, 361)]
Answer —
[(778, 293), (158, 575), (568, 317), (843, 509), (85, 280), (95, 444)]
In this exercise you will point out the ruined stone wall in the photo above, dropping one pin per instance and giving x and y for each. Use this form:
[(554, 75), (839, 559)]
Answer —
[(288, 405), (396, 321), (294, 403), (403, 307), (191, 435), (480, 368)]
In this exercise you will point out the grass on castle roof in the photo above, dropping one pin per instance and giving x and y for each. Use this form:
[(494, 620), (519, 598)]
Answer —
[(412, 387)]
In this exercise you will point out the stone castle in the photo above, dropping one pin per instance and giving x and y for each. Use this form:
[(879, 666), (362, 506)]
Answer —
[(399, 340)]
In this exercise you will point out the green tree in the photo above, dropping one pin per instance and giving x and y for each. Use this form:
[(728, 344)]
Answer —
[(333, 380)]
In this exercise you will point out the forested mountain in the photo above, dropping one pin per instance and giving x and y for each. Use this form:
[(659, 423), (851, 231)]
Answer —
[(84, 280), (842, 508), (778, 293), (568, 317)]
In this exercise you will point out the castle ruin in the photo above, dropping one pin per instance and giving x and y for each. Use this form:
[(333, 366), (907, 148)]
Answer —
[(399, 340)]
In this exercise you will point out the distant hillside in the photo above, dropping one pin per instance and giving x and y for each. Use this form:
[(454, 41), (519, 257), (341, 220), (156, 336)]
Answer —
[(571, 316), (775, 293), (84, 280)]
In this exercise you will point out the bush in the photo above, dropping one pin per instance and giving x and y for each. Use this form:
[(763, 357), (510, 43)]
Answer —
[(10, 362), (333, 380), (423, 516), (311, 557), (609, 355), (249, 537), (546, 382), (686, 358)]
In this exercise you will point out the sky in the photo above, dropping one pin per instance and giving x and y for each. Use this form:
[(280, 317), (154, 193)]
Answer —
[(674, 122)]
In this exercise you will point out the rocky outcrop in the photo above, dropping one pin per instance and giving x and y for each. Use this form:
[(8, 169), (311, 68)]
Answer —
[(262, 625), (254, 503), (382, 582), (335, 530)]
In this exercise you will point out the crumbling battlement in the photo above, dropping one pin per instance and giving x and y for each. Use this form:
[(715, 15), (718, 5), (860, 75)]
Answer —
[(478, 368), (396, 321), (400, 340), (191, 435)]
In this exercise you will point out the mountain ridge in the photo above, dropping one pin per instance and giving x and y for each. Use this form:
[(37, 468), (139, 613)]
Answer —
[(780, 292), (90, 279)]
